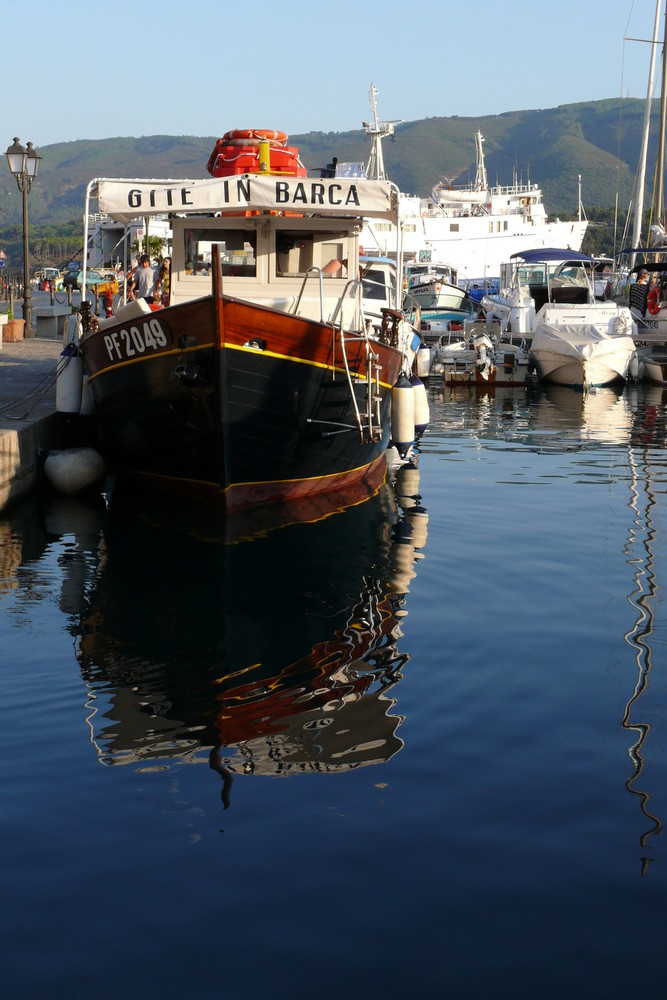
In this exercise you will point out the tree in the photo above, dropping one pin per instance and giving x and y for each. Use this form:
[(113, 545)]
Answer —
[(155, 247)]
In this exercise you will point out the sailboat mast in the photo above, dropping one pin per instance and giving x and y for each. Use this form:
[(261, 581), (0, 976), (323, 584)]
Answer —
[(639, 207), (661, 139)]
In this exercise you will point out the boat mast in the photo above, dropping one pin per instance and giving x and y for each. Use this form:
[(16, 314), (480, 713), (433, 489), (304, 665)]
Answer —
[(639, 207), (661, 139), (378, 131), (480, 176)]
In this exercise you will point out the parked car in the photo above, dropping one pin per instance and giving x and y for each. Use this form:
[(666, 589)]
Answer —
[(72, 275)]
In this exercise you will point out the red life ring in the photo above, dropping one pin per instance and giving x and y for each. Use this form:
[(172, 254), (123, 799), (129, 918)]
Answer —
[(654, 300), (272, 135)]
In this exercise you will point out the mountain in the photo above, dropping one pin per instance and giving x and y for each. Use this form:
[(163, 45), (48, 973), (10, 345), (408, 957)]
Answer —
[(598, 140)]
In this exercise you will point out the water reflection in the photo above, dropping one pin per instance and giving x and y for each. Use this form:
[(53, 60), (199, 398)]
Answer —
[(549, 417), (646, 481), (276, 645), (627, 429)]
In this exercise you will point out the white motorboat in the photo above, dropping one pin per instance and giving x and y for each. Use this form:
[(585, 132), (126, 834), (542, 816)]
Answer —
[(581, 355), (476, 228), (431, 285), (652, 364), (480, 357), (575, 338)]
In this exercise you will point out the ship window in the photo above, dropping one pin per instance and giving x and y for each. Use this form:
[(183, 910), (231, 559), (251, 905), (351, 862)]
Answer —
[(374, 284), (237, 251), (454, 227)]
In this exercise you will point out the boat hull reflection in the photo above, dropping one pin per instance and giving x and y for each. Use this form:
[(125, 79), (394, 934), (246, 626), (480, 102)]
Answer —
[(278, 647)]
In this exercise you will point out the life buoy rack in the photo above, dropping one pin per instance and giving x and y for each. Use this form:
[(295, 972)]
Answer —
[(653, 303), (251, 136), (239, 151)]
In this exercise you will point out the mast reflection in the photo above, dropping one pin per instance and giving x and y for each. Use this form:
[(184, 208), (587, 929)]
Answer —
[(648, 431)]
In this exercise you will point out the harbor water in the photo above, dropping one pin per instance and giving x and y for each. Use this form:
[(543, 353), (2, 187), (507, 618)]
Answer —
[(415, 747)]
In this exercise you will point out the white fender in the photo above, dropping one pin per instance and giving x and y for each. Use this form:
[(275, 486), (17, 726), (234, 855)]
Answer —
[(72, 470), (402, 415), (423, 361), (422, 414), (69, 381)]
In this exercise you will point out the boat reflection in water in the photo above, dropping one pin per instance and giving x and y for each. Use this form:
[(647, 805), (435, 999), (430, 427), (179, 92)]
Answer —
[(276, 646), (542, 416)]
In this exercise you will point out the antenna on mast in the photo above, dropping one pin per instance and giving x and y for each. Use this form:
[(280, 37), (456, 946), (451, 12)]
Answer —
[(378, 131)]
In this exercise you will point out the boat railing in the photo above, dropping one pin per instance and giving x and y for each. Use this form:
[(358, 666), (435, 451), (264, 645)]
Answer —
[(354, 284), (309, 273)]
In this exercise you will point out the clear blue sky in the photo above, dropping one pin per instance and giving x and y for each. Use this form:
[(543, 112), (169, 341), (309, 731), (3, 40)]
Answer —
[(200, 67)]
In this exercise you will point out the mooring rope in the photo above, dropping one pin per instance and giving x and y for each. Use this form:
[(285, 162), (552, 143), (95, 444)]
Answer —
[(37, 393)]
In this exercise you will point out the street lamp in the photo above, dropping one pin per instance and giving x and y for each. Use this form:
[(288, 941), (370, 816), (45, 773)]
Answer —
[(24, 164)]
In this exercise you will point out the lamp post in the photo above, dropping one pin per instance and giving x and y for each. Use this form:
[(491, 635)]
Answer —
[(24, 164)]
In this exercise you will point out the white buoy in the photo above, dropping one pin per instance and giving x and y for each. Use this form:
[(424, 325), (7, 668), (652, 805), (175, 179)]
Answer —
[(633, 367), (422, 414), (69, 380), (72, 470), (402, 415)]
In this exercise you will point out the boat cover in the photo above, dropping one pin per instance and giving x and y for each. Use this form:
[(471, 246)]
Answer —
[(579, 341)]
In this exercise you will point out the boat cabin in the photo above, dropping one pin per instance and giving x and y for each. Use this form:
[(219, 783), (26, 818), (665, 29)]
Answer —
[(269, 259), (557, 276)]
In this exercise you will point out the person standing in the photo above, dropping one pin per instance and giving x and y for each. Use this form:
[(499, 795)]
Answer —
[(162, 283), (142, 283)]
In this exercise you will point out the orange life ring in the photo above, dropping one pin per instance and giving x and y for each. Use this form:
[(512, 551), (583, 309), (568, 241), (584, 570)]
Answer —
[(654, 300), (272, 135)]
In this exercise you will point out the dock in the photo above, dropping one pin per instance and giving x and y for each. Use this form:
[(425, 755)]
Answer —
[(30, 426)]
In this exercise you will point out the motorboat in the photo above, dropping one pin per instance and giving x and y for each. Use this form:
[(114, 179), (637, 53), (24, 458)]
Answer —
[(260, 381), (431, 285), (581, 355), (480, 357), (574, 338)]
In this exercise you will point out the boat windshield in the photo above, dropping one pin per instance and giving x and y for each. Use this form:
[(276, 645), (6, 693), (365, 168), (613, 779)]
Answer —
[(237, 251)]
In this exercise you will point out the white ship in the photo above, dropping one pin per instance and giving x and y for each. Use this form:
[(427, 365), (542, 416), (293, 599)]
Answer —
[(475, 228)]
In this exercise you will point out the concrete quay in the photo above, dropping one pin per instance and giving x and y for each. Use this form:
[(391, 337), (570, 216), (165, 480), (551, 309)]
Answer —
[(30, 426)]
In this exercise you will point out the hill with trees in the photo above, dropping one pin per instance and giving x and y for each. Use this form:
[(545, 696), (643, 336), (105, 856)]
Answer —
[(598, 142)]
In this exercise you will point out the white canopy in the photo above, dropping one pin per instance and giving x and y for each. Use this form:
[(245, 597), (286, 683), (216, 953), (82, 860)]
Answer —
[(125, 200)]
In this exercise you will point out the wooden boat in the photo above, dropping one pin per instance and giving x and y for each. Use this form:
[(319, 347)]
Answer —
[(261, 381)]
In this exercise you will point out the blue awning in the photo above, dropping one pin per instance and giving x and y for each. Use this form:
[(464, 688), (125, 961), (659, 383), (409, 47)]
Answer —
[(551, 254)]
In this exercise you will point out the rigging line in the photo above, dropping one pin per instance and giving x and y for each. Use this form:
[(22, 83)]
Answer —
[(38, 391)]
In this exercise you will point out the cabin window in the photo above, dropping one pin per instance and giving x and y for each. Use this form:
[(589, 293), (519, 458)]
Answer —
[(454, 227), (374, 284), (297, 251), (237, 251)]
